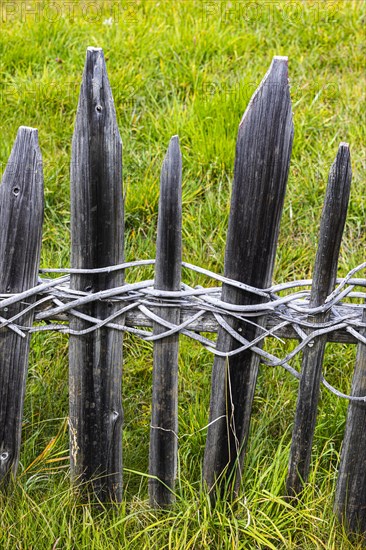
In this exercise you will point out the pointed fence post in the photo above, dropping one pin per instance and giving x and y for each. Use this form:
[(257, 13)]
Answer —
[(168, 264), (21, 218), (262, 160), (325, 273), (350, 498), (97, 241)]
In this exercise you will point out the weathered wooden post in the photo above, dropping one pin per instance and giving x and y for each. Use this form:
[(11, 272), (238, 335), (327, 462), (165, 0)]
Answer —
[(21, 218), (350, 498), (325, 273), (97, 241), (168, 265), (262, 161)]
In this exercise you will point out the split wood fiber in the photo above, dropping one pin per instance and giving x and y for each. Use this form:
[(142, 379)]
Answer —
[(263, 152), (350, 498), (21, 218), (164, 419), (325, 273), (97, 233)]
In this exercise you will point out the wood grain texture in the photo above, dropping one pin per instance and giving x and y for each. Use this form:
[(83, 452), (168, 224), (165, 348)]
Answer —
[(208, 323), (325, 272), (350, 497), (262, 160), (21, 218), (97, 240), (164, 420)]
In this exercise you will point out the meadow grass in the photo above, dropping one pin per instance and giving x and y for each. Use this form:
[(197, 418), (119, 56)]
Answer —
[(186, 68)]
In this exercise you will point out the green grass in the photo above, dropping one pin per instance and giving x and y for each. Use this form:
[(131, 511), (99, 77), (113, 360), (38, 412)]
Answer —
[(186, 68)]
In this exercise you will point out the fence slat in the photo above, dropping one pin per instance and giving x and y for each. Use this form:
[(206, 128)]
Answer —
[(262, 160), (350, 498), (97, 233), (164, 419), (21, 218), (325, 272)]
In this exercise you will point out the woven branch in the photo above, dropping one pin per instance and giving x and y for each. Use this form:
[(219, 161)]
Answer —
[(202, 310)]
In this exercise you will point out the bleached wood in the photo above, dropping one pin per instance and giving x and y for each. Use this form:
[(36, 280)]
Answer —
[(208, 323)]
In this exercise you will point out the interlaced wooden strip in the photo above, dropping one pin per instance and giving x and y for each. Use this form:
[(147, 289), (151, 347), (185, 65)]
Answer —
[(201, 311)]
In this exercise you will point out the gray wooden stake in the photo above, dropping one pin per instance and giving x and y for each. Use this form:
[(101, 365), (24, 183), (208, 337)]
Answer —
[(325, 272), (350, 498), (97, 241), (262, 161), (164, 420), (21, 218)]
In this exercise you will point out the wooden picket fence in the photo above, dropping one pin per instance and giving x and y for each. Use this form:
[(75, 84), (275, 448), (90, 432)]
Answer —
[(245, 310)]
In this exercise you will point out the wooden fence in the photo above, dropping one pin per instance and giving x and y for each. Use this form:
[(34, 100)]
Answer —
[(245, 310)]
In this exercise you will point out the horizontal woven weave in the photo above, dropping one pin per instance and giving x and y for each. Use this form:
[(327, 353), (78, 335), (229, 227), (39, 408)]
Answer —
[(53, 301)]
